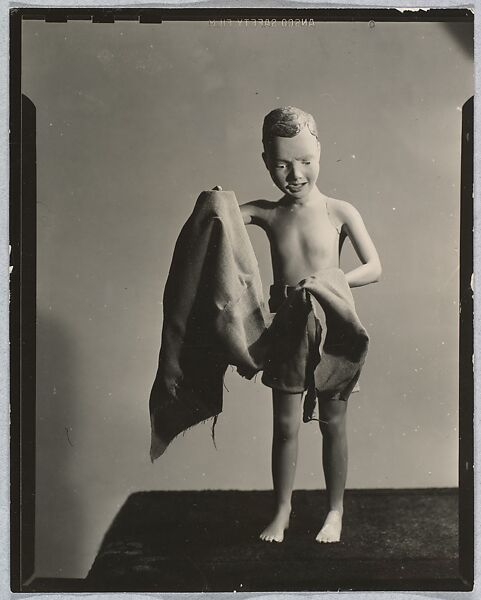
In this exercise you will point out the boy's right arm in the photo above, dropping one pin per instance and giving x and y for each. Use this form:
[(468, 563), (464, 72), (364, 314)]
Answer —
[(246, 212), (253, 212)]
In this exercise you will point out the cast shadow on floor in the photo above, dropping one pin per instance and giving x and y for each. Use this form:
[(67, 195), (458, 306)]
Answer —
[(208, 541)]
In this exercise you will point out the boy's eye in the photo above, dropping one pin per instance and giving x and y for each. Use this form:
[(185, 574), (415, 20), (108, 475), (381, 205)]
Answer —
[(280, 166), (307, 162)]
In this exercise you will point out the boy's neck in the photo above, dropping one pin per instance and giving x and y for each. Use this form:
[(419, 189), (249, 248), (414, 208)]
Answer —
[(313, 195)]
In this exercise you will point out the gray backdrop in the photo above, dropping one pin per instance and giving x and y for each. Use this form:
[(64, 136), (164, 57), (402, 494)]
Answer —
[(133, 121)]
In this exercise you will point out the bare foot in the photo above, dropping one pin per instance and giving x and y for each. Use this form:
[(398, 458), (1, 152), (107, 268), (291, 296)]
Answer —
[(274, 532), (331, 530)]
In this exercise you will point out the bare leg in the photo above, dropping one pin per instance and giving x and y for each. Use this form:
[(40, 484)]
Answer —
[(287, 411), (334, 461)]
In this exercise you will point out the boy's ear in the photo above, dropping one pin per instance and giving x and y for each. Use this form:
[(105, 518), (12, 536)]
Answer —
[(264, 158)]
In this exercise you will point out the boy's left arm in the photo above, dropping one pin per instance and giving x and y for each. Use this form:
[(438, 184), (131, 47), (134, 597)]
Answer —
[(370, 270)]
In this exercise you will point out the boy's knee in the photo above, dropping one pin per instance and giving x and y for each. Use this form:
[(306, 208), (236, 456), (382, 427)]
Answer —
[(332, 425), (286, 428)]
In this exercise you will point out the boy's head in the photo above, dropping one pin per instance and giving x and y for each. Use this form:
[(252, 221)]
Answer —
[(291, 150)]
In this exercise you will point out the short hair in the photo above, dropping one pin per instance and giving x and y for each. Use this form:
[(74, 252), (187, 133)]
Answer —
[(287, 121)]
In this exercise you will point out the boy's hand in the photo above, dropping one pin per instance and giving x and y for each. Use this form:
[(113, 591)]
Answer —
[(307, 283)]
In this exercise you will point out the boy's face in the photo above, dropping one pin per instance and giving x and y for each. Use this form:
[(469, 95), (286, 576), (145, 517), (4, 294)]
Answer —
[(293, 163)]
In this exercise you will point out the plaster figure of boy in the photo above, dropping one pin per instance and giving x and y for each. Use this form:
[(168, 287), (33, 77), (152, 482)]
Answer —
[(306, 230)]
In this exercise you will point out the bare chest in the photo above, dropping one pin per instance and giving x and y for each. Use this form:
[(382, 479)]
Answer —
[(310, 232)]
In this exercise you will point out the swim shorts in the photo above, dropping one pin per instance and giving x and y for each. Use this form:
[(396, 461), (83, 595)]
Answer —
[(278, 293)]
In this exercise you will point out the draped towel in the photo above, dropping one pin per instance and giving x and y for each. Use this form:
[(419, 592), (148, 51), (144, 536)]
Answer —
[(215, 316)]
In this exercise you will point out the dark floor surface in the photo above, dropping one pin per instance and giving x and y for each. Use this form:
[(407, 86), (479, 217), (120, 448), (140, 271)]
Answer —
[(208, 541)]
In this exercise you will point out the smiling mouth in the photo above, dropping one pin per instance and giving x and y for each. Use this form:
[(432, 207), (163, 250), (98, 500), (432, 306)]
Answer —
[(296, 187)]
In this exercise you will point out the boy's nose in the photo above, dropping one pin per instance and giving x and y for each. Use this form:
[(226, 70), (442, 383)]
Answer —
[(295, 173)]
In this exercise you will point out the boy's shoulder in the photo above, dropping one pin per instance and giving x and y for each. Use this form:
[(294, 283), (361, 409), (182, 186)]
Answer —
[(344, 211)]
